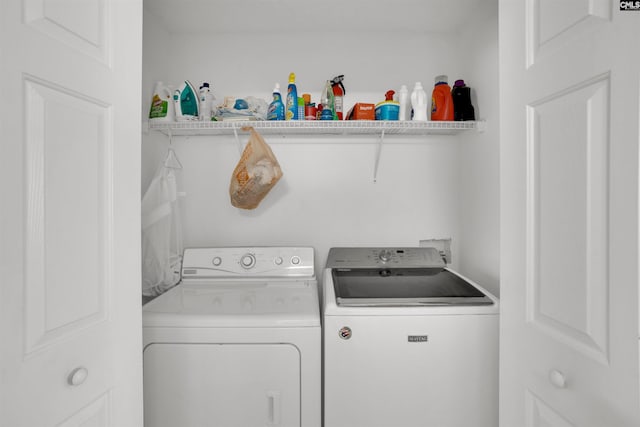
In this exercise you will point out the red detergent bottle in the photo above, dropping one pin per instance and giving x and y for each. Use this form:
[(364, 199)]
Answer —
[(441, 100)]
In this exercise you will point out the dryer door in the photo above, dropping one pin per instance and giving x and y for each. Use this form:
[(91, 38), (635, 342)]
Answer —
[(234, 385)]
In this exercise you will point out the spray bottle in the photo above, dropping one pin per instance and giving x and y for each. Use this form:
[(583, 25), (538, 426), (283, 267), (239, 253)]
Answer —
[(292, 99), (327, 102), (276, 108), (338, 95)]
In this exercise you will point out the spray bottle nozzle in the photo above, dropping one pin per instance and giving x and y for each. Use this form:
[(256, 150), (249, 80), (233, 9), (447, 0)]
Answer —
[(337, 81), (389, 95)]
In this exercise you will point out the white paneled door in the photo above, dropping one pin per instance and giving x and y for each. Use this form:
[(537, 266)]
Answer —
[(70, 78), (570, 90)]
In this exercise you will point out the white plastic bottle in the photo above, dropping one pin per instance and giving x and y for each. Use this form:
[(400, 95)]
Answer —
[(405, 107), (419, 103), (162, 108), (206, 102)]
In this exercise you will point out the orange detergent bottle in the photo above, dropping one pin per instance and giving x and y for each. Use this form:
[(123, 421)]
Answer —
[(441, 100)]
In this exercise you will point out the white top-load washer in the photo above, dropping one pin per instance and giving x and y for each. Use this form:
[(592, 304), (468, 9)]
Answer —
[(407, 342), (237, 342)]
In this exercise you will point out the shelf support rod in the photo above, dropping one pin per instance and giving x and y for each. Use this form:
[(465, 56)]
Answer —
[(235, 133), (378, 151)]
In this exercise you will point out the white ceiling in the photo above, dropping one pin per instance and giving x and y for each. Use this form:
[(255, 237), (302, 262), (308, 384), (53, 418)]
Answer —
[(317, 16)]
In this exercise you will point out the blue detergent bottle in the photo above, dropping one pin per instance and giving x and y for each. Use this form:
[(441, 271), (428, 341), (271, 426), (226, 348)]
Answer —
[(291, 112), (276, 108)]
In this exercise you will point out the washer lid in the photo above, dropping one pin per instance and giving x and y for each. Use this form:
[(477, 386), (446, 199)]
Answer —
[(236, 304), (404, 287)]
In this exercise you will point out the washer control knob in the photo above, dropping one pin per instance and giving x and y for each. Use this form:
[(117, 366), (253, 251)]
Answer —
[(385, 255), (248, 261), (278, 260), (216, 261), (295, 260)]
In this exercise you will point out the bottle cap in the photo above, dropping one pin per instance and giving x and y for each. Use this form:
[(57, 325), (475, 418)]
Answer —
[(442, 78), (458, 83), (307, 98), (292, 78), (277, 88), (300, 102), (403, 88), (418, 86), (389, 95)]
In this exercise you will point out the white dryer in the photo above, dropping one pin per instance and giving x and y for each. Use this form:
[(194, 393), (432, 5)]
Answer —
[(237, 343), (407, 342)]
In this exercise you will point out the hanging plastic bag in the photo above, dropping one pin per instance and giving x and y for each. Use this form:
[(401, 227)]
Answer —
[(161, 231), (256, 174)]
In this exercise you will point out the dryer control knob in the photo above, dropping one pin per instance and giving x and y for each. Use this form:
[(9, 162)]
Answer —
[(248, 261)]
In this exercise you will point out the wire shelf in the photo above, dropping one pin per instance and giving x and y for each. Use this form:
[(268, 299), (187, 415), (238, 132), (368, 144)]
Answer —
[(318, 128)]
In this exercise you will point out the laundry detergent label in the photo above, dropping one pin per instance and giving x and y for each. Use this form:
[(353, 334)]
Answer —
[(159, 108)]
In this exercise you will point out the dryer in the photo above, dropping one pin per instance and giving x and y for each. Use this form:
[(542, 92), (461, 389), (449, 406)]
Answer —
[(237, 342), (407, 342)]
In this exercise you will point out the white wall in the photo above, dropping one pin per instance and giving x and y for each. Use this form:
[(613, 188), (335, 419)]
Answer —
[(327, 196), (479, 154)]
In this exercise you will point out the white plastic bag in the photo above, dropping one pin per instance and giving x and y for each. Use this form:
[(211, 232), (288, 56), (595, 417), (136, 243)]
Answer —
[(161, 232)]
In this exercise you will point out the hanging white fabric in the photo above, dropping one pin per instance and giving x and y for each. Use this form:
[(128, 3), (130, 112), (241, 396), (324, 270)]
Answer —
[(162, 244)]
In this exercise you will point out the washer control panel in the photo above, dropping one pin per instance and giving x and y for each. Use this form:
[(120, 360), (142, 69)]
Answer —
[(419, 257), (239, 262)]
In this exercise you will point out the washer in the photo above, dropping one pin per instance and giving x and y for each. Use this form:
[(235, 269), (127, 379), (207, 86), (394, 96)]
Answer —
[(237, 342), (407, 342)]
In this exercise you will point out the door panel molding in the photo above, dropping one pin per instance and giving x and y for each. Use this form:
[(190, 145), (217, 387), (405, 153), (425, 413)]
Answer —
[(68, 248), (86, 30), (541, 414), (567, 216), (550, 24)]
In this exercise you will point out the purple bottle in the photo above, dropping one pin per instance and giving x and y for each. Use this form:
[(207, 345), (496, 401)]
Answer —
[(462, 107)]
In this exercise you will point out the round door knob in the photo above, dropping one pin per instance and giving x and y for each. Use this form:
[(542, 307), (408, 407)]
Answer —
[(77, 376), (557, 378)]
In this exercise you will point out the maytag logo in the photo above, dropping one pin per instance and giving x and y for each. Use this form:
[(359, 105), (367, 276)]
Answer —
[(418, 338), (630, 5)]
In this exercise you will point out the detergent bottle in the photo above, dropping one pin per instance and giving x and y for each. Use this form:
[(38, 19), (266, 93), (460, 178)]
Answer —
[(387, 109), (276, 108), (441, 100), (419, 103), (206, 102), (291, 112), (462, 107), (162, 108), (338, 95)]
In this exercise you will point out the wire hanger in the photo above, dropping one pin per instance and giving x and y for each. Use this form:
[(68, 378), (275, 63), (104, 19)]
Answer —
[(171, 161)]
